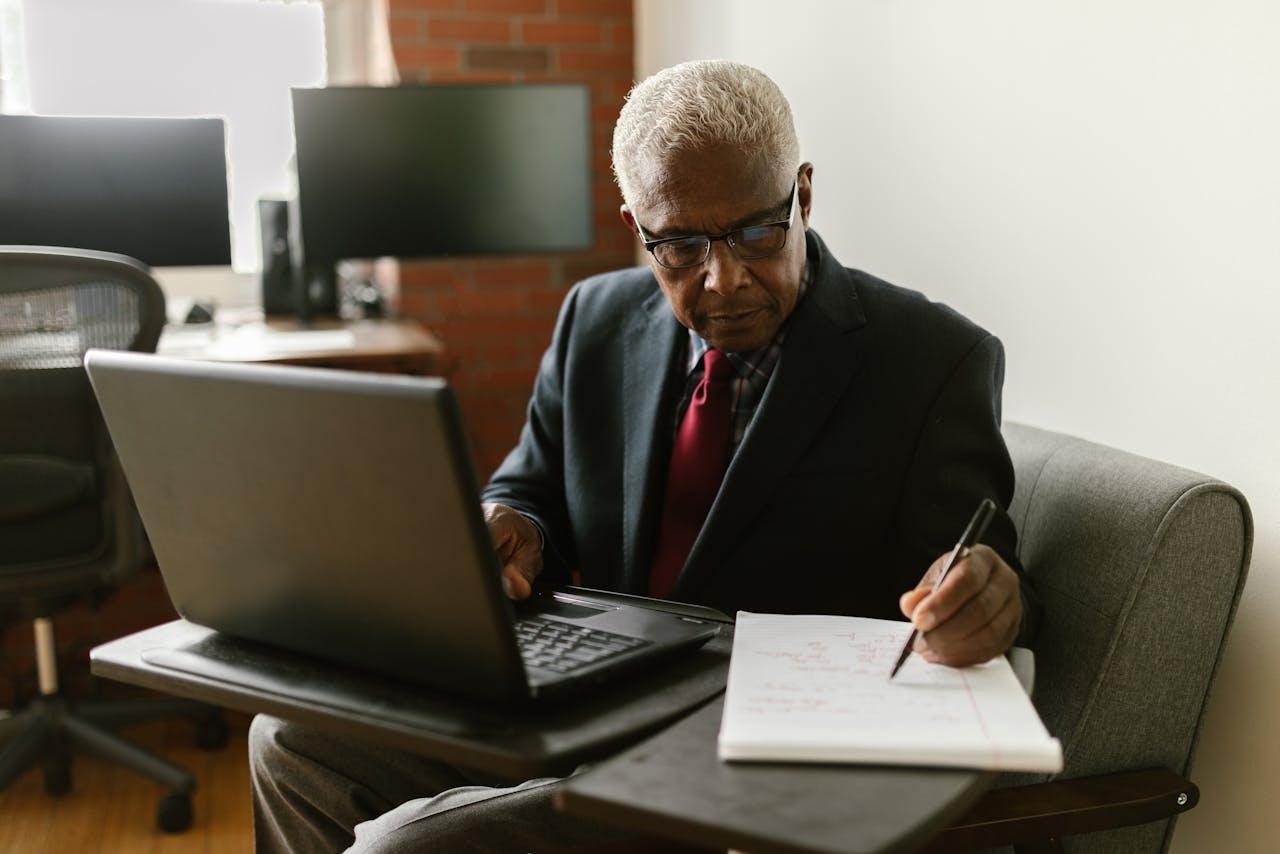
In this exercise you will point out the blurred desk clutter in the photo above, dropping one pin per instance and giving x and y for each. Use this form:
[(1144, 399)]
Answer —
[(385, 345)]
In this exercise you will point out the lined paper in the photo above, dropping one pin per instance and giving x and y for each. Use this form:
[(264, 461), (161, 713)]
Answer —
[(816, 689)]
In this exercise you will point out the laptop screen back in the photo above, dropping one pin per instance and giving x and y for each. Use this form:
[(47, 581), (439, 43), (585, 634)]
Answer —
[(324, 511)]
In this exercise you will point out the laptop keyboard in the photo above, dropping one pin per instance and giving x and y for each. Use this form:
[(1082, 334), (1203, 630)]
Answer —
[(564, 647)]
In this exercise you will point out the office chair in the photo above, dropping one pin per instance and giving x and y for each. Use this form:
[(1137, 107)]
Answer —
[(69, 532), (1140, 565)]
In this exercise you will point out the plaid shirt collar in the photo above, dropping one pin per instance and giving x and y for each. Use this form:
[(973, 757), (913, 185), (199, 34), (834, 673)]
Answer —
[(752, 369)]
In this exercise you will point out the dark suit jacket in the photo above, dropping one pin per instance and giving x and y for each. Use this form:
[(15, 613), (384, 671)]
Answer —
[(873, 444)]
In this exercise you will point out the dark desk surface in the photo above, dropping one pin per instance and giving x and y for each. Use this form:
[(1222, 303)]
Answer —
[(508, 742), (671, 786), (675, 787)]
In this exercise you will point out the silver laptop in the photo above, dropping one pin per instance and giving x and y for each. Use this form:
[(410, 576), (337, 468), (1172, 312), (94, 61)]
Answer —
[(337, 514)]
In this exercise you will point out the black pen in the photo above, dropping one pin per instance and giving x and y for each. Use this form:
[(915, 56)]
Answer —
[(977, 526)]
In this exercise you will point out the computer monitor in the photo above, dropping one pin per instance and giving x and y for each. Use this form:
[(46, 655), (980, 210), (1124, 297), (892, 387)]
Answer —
[(442, 169), (154, 189)]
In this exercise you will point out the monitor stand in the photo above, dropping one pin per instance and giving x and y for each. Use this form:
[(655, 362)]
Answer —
[(315, 292)]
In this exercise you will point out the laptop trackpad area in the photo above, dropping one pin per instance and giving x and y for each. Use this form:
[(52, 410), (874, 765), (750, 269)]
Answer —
[(558, 606)]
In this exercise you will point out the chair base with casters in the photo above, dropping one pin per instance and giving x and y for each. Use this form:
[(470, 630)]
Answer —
[(51, 729)]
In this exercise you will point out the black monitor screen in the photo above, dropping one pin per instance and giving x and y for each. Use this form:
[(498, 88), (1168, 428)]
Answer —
[(424, 170), (153, 189)]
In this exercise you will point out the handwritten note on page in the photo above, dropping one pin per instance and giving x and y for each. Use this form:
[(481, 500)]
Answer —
[(817, 689)]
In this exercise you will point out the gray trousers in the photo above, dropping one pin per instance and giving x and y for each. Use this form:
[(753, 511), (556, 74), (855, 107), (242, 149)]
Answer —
[(318, 792)]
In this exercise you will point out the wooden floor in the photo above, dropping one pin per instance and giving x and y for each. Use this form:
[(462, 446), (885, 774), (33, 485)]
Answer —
[(113, 811)]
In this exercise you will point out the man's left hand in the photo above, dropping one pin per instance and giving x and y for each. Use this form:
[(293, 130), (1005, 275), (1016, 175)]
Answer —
[(973, 616), (519, 547)]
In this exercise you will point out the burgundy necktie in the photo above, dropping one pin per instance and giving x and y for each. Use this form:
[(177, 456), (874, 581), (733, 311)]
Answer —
[(698, 463)]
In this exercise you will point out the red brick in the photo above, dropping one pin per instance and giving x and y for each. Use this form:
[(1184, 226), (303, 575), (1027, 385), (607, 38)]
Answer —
[(604, 114), (513, 379), (609, 218), (453, 29), (623, 35), (512, 274), (490, 303), (618, 89), (561, 33), (546, 302), (416, 305), (606, 196), (423, 5), (517, 7), (501, 353), (595, 8), (486, 406), (508, 58), (404, 29), (583, 270), (420, 273), (515, 328), (433, 57), (620, 61)]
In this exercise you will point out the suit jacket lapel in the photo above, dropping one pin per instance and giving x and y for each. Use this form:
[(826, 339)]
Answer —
[(649, 348), (818, 360)]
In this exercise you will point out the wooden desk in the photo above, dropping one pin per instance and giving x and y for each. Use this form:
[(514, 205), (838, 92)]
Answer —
[(386, 346)]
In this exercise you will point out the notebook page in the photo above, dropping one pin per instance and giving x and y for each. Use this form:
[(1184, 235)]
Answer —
[(817, 689)]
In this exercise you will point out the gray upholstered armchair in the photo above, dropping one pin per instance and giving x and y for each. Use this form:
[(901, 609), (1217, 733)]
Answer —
[(1140, 565)]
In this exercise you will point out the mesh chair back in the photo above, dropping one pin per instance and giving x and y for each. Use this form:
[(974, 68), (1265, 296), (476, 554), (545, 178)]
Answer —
[(57, 303), (63, 503)]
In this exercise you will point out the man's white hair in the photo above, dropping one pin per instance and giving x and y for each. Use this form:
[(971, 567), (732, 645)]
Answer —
[(698, 105)]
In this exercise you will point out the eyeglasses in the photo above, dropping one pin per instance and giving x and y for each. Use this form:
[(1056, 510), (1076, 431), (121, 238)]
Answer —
[(754, 241)]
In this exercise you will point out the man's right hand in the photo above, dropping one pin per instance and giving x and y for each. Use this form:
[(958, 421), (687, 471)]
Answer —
[(519, 546)]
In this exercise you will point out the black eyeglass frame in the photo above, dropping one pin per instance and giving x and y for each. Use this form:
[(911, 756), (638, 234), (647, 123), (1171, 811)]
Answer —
[(729, 237)]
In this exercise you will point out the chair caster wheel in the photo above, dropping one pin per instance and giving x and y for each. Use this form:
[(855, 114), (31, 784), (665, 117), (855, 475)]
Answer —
[(211, 733), (174, 813), (57, 779)]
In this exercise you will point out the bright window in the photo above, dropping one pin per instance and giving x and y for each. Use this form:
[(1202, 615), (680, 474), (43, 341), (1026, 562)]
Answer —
[(235, 59)]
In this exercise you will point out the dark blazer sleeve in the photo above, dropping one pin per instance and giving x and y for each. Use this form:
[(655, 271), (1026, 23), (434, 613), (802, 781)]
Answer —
[(959, 458), (568, 472), (531, 478)]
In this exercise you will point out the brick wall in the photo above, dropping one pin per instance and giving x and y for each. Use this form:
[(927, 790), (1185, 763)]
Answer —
[(496, 315)]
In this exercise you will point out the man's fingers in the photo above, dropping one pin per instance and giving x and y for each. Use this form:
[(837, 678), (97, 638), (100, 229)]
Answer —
[(515, 583), (976, 611), (519, 548), (908, 601), (967, 639), (973, 615), (966, 579)]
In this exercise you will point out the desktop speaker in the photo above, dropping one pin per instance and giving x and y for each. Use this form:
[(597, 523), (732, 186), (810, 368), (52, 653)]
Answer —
[(278, 295)]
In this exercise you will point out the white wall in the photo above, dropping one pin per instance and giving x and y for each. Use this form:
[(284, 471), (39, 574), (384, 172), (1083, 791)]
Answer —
[(1099, 184)]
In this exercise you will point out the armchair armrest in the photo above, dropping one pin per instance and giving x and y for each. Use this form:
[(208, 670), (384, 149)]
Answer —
[(1033, 817)]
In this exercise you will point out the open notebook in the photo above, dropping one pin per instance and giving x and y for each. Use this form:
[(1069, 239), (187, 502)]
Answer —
[(817, 689)]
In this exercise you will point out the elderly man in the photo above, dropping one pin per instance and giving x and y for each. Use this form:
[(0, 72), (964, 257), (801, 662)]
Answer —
[(744, 423)]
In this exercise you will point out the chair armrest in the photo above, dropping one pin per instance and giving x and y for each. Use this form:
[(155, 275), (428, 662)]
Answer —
[(1042, 811)]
